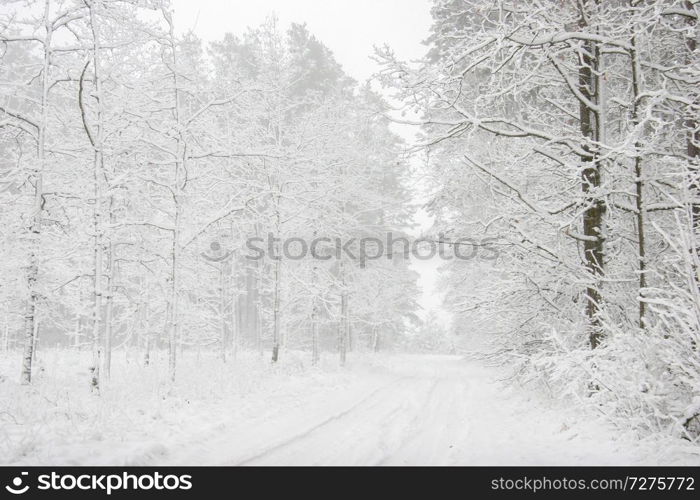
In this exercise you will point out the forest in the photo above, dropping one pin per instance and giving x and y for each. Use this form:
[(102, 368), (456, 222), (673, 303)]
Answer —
[(138, 163), (570, 131)]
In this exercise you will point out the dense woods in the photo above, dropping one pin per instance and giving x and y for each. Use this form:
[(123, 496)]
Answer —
[(569, 130), (158, 195), (137, 163)]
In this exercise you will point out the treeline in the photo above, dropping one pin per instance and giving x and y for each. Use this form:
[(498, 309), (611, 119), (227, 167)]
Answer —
[(136, 163)]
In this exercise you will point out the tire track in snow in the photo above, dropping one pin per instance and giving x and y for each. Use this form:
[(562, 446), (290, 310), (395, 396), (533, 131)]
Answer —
[(438, 432), (365, 433), (416, 427), (320, 425)]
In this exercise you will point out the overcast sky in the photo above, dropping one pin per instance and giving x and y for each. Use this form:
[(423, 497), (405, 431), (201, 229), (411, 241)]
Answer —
[(350, 28)]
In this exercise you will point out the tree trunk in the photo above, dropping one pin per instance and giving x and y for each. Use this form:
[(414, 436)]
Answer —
[(147, 354), (255, 309), (593, 216), (176, 189), (277, 287), (6, 335), (233, 313), (36, 340), (37, 208), (97, 142), (315, 348), (109, 310), (343, 327), (639, 182), (276, 311), (375, 339), (173, 323), (222, 310)]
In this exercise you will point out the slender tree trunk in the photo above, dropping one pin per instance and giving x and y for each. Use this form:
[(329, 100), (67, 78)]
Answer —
[(255, 307), (173, 323), (109, 307), (222, 310), (97, 141), (6, 334), (343, 329), (36, 340), (97, 282), (277, 277), (343, 324), (375, 339), (315, 348), (147, 354), (233, 313), (259, 330), (109, 312), (639, 181), (37, 208), (276, 310), (179, 167)]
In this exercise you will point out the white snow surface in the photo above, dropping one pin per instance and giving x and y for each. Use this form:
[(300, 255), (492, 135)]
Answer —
[(379, 410)]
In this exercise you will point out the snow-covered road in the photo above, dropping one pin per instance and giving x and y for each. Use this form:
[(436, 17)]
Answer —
[(422, 410), (379, 410)]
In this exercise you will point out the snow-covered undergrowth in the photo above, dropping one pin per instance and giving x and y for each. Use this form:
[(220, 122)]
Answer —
[(623, 405), (643, 385), (58, 420)]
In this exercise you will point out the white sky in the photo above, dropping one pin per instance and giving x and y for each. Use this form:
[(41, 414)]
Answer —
[(350, 28)]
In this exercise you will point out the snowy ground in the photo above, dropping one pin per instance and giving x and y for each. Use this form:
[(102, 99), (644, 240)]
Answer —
[(389, 410)]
